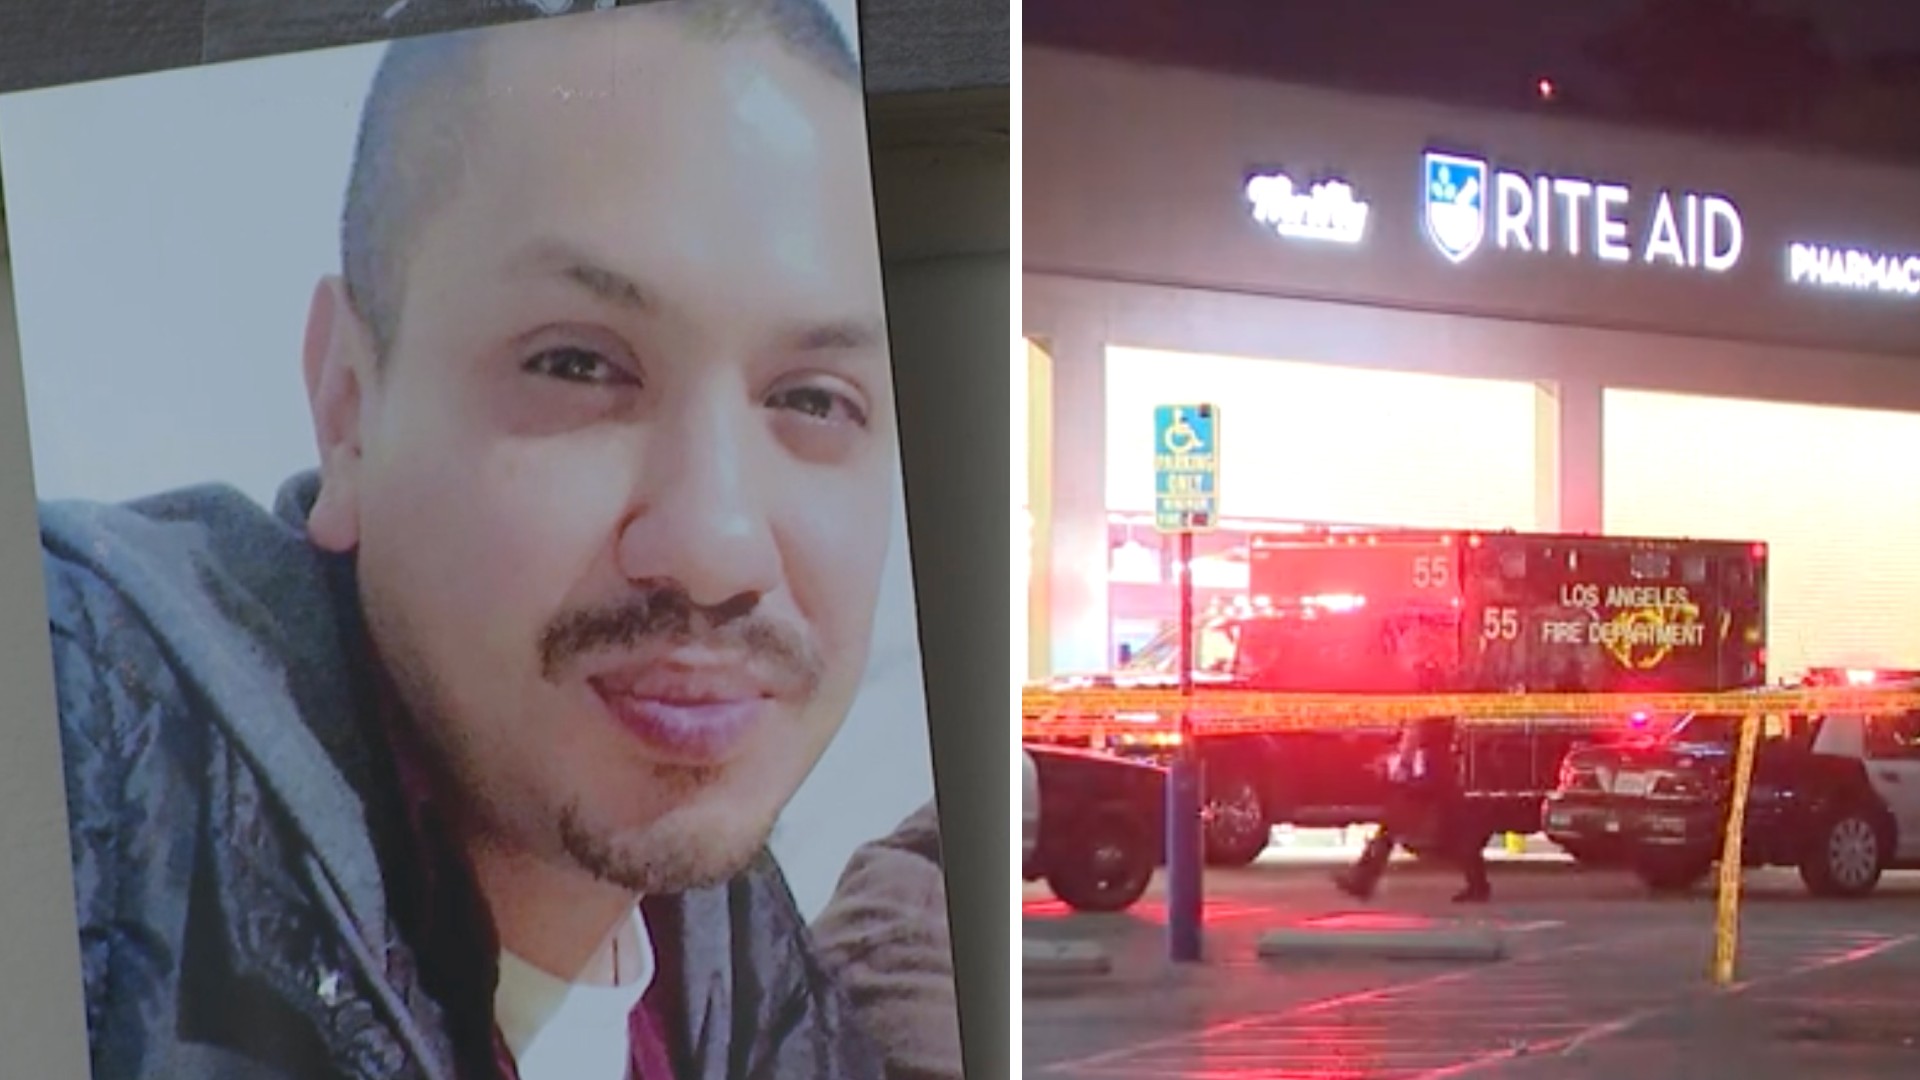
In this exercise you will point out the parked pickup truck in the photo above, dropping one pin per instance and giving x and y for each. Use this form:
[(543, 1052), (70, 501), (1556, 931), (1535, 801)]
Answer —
[(1095, 823)]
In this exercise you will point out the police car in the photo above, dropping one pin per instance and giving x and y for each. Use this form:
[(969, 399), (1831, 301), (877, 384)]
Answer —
[(1837, 797)]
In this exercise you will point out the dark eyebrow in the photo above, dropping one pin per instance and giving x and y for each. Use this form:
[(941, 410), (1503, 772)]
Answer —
[(612, 287), (845, 336), (556, 259)]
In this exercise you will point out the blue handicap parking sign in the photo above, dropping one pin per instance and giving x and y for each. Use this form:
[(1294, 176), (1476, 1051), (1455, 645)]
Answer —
[(1186, 467)]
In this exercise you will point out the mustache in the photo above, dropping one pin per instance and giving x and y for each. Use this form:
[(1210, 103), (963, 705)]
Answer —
[(664, 616)]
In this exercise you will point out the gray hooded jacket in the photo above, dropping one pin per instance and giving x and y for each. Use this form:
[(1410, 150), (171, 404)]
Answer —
[(243, 873)]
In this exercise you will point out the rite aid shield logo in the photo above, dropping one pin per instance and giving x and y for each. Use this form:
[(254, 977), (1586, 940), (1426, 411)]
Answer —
[(1455, 203)]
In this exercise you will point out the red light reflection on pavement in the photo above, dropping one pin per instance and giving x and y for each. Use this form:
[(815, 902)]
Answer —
[(1155, 911), (1468, 1024), (1227, 1070), (1370, 920)]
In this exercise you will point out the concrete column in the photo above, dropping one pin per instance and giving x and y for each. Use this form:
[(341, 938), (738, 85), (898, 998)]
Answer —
[(1079, 631), (1035, 420), (1570, 464)]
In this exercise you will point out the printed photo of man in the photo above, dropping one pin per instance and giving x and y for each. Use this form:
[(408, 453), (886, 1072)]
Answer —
[(463, 762)]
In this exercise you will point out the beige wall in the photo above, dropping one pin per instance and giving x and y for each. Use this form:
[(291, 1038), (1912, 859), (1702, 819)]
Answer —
[(1080, 318), (1135, 173), (1136, 234)]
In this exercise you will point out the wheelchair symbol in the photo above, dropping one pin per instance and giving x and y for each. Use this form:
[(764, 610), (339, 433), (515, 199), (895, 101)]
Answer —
[(1180, 437)]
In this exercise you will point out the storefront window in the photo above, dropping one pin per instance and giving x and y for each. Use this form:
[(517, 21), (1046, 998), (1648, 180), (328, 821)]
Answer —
[(1143, 595)]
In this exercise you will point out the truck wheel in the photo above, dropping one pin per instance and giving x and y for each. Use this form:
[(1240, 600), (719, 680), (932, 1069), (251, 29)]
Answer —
[(1671, 873), (1106, 866), (1846, 857), (1237, 829)]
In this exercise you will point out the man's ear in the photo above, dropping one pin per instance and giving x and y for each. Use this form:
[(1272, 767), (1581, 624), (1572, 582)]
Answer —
[(338, 359)]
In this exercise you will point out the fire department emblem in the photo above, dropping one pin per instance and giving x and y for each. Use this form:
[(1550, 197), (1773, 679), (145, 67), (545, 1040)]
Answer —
[(1641, 639)]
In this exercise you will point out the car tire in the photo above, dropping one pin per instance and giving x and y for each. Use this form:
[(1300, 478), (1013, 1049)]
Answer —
[(1237, 827), (1106, 866), (1671, 873), (1847, 856)]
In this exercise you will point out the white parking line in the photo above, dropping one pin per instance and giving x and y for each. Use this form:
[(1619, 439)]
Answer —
[(1610, 1028), (1114, 1062)]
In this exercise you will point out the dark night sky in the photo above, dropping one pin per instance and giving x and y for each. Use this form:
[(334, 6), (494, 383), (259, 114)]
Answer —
[(1491, 52)]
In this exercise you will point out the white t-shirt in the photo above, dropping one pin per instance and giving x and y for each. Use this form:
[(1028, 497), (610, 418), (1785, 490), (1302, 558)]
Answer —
[(561, 1030)]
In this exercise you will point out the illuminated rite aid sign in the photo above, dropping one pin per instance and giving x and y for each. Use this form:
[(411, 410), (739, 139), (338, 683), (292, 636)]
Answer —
[(1325, 211), (1466, 205), (1464, 200)]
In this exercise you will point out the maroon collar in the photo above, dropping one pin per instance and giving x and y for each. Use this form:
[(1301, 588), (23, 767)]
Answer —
[(651, 1029)]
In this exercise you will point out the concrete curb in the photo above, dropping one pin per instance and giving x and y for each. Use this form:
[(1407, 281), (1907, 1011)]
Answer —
[(1461, 944), (1064, 958)]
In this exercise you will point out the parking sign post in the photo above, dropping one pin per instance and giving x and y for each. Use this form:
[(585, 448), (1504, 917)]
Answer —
[(1186, 495)]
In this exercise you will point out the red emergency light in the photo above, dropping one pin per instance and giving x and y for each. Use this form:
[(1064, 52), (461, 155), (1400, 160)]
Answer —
[(1858, 676)]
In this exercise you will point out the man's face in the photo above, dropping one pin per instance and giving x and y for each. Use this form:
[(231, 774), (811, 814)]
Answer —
[(624, 480)]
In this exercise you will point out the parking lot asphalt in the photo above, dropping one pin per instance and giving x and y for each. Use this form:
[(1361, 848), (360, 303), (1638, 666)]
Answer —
[(1600, 980)]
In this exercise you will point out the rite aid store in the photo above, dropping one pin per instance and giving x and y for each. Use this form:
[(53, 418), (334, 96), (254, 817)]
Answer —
[(1413, 315)]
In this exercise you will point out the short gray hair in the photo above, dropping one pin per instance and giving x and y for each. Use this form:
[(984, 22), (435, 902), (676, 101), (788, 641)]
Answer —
[(409, 153)]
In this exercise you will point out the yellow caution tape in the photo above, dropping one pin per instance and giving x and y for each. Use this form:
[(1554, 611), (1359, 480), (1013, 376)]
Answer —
[(1726, 918), (1049, 713), (1150, 715)]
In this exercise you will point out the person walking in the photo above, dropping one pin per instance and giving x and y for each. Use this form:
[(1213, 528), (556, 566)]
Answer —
[(1424, 799)]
